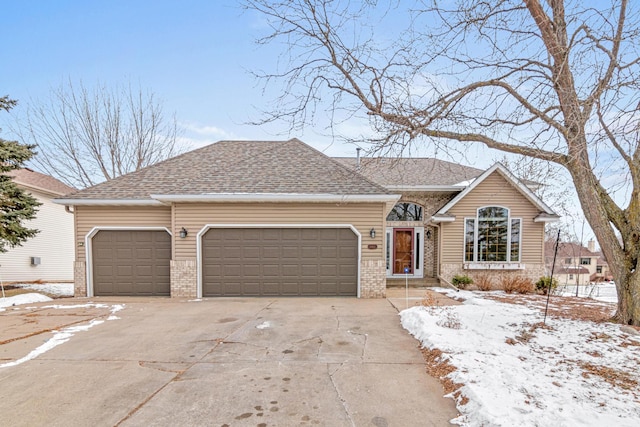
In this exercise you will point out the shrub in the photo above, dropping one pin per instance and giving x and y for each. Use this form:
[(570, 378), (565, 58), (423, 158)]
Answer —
[(461, 281), (450, 320), (517, 284), (542, 285), (483, 282)]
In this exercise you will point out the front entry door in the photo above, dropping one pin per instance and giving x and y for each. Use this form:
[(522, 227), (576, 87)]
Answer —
[(402, 250)]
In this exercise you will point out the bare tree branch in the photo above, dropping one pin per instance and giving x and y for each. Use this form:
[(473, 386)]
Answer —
[(88, 135)]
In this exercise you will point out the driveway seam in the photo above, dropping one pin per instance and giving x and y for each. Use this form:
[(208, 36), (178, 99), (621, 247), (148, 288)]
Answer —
[(177, 377)]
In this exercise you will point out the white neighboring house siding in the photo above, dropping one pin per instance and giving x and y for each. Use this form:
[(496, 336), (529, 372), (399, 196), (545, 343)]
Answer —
[(53, 245)]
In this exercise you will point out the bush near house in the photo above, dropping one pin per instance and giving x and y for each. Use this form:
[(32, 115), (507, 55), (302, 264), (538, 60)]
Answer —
[(517, 284), (461, 281), (483, 281), (542, 285)]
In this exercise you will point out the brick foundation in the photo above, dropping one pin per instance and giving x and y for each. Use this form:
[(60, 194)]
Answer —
[(532, 271), (79, 279), (373, 279)]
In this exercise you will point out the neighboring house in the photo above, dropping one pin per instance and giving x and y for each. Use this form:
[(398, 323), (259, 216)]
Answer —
[(267, 218), (576, 264), (49, 255)]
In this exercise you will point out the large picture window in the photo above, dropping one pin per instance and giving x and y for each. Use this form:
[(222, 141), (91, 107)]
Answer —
[(492, 236)]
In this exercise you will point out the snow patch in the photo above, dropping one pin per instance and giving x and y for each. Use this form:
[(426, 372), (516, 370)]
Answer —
[(264, 325), (23, 299), (517, 372), (59, 337)]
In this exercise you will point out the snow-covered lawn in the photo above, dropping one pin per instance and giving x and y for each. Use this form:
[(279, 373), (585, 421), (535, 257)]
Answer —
[(22, 299), (57, 289), (515, 371), (599, 291)]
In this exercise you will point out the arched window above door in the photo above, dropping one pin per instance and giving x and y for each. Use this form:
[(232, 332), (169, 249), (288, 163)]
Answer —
[(406, 212)]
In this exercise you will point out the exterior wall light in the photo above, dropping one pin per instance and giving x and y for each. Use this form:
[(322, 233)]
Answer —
[(372, 233), (183, 233), (428, 234)]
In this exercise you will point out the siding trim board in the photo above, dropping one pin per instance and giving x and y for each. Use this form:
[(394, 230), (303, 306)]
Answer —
[(207, 227), (89, 249)]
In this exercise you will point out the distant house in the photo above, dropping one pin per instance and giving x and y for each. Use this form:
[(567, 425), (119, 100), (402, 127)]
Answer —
[(279, 218), (576, 264), (49, 255)]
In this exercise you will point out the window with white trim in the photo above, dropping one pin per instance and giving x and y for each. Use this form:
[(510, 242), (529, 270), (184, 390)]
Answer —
[(492, 236)]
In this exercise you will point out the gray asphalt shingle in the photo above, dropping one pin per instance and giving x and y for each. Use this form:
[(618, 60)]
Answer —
[(255, 167), (412, 172)]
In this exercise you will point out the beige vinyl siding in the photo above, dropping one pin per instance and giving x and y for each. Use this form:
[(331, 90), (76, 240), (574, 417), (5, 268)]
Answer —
[(194, 216), (53, 245), (494, 191), (88, 217)]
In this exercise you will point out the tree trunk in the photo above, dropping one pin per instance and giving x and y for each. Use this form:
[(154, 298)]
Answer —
[(628, 300), (622, 258)]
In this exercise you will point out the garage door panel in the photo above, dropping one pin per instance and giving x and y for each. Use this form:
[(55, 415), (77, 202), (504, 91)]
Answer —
[(131, 262), (290, 288), (290, 270), (309, 288), (270, 288), (279, 261), (269, 270), (309, 270), (271, 252)]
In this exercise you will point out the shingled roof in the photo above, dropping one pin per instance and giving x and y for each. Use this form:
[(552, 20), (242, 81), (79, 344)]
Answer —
[(412, 172), (39, 181), (237, 167)]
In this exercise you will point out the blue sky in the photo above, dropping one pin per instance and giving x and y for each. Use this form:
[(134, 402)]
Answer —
[(195, 55)]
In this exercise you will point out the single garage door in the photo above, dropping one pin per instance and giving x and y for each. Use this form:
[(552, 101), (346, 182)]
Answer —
[(280, 262), (131, 263)]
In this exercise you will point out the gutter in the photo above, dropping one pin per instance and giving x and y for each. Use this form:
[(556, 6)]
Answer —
[(166, 199), (276, 197)]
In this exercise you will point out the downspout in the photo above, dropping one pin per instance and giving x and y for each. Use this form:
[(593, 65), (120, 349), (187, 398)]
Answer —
[(68, 209)]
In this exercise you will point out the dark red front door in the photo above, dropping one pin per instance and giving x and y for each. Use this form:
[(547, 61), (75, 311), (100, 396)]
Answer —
[(402, 250)]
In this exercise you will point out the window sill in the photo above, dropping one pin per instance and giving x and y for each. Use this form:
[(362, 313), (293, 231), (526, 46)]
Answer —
[(494, 266)]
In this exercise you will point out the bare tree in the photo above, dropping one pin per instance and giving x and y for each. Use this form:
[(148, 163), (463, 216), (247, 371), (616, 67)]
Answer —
[(548, 80), (85, 136)]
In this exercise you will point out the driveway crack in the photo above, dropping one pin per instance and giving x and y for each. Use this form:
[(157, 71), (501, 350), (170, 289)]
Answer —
[(343, 401)]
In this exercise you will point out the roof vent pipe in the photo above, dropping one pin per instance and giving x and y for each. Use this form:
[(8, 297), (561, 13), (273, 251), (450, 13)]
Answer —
[(358, 157)]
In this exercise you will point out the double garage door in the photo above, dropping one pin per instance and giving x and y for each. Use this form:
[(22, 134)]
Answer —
[(235, 262)]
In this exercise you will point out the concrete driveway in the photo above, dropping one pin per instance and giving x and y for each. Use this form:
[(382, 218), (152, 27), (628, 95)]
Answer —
[(221, 362)]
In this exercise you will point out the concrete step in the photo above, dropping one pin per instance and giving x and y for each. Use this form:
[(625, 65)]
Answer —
[(427, 282)]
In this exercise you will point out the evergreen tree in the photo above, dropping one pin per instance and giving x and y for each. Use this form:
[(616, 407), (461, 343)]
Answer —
[(16, 205)]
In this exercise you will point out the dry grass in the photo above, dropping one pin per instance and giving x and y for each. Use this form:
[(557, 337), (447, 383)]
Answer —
[(483, 282), (615, 377), (562, 307), (440, 368), (429, 300), (517, 284)]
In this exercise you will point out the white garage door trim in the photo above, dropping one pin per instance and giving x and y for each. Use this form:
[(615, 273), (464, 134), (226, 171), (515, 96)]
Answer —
[(88, 248), (206, 228)]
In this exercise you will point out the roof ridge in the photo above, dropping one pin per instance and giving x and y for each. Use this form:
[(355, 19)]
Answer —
[(343, 167)]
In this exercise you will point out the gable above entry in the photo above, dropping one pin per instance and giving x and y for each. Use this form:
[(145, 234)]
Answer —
[(546, 215)]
